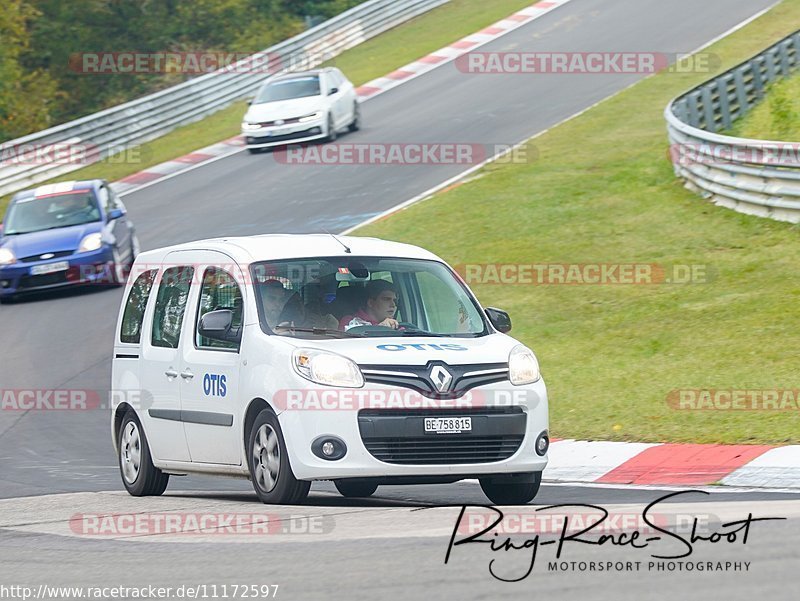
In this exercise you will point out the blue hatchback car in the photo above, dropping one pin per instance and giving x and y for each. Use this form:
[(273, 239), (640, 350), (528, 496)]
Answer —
[(64, 234)]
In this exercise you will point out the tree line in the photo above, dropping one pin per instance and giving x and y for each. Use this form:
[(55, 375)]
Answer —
[(42, 41)]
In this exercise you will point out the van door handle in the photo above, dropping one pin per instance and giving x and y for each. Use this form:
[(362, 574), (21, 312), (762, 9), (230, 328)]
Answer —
[(171, 373), (187, 375)]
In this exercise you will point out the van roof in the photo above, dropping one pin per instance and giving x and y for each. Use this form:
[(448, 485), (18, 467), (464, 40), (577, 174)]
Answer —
[(267, 247)]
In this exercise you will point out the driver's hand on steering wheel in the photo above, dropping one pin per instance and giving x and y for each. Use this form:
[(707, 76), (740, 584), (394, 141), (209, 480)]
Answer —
[(390, 323)]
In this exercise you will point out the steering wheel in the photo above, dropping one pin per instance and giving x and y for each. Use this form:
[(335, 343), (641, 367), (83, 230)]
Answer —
[(373, 328)]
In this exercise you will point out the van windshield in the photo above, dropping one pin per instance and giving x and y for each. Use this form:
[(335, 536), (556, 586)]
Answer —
[(344, 297)]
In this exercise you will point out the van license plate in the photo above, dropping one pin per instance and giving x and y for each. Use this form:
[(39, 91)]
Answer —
[(447, 425), (49, 268)]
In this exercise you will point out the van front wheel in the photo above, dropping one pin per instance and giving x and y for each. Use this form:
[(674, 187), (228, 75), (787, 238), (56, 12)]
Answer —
[(272, 476), (140, 477)]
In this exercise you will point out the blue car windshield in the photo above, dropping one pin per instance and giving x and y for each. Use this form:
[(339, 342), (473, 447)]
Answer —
[(50, 212), (288, 89)]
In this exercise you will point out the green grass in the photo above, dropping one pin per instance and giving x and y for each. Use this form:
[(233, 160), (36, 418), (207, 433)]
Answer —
[(369, 60), (777, 117), (603, 191)]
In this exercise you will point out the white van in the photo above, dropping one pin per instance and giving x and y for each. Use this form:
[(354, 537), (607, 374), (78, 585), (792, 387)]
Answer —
[(291, 358)]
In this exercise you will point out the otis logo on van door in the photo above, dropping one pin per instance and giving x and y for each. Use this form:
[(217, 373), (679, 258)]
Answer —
[(214, 385)]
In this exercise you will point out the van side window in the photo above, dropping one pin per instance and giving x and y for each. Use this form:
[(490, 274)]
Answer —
[(219, 291), (133, 316), (170, 306)]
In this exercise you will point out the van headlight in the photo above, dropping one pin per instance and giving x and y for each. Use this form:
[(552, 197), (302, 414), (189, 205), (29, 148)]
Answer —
[(327, 368), (523, 368), (91, 242), (247, 126)]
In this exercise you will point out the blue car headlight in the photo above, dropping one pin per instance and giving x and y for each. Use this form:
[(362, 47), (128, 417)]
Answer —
[(7, 257), (91, 242)]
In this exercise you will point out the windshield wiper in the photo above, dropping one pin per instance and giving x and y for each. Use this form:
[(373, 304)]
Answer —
[(418, 332), (317, 331)]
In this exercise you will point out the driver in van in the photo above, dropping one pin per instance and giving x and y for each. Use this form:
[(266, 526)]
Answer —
[(379, 310)]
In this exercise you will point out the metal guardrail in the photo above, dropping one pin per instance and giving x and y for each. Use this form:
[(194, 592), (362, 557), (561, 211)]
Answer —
[(756, 177), (113, 130)]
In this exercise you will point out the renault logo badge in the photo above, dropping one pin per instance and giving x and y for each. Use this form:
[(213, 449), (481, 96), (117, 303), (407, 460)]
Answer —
[(441, 378)]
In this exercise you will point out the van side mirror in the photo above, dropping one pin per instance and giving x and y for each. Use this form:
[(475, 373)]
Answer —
[(115, 214), (218, 325), (333, 91), (499, 318)]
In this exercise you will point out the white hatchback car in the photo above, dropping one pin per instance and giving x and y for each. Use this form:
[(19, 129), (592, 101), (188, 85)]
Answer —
[(300, 107), (292, 358)]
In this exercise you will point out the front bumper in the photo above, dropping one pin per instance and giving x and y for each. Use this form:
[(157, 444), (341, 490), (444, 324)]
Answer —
[(370, 453), (83, 268), (285, 134)]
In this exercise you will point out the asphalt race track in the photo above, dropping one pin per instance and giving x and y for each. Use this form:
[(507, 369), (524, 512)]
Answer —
[(63, 341), (390, 547)]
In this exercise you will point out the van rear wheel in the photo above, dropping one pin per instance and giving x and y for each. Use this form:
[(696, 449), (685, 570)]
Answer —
[(140, 477), (270, 472)]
